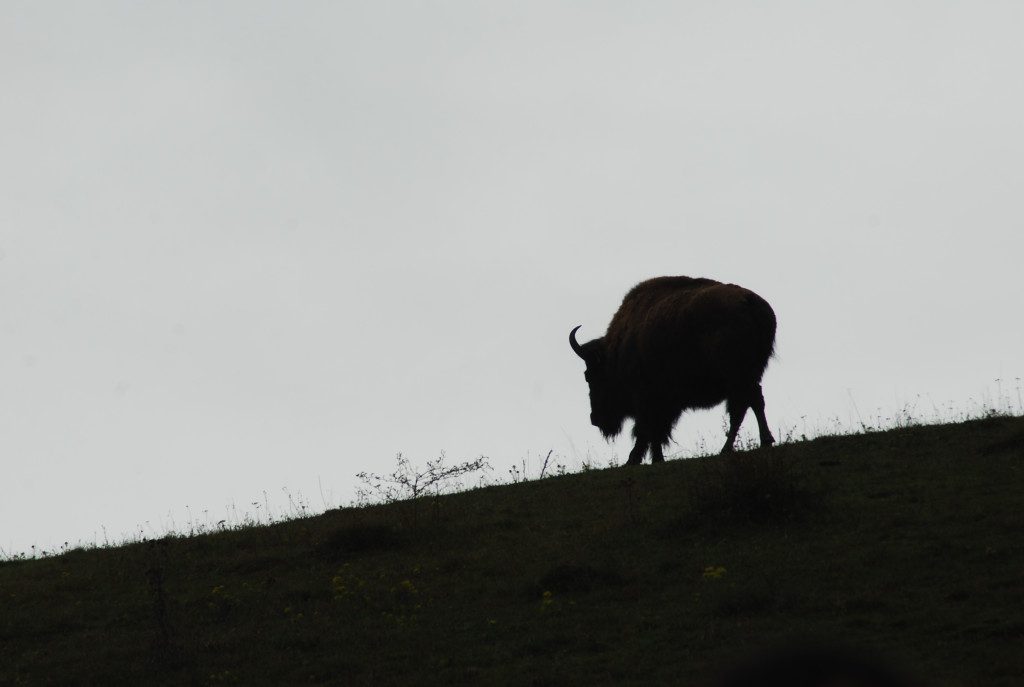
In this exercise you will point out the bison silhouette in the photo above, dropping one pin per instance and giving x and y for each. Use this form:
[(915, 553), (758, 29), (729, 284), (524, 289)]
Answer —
[(678, 343)]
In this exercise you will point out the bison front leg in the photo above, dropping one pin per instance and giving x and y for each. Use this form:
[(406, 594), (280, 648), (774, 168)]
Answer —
[(647, 438), (636, 456)]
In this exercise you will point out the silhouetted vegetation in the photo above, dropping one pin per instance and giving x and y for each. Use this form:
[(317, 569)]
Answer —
[(902, 544)]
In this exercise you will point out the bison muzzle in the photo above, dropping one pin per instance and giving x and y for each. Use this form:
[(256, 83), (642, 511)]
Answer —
[(678, 343)]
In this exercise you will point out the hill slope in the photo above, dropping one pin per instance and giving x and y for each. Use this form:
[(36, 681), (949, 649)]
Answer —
[(906, 543)]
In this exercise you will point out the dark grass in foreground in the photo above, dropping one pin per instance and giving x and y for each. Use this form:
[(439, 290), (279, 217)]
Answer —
[(904, 544)]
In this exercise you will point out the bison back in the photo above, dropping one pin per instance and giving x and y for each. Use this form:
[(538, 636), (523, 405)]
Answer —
[(691, 331)]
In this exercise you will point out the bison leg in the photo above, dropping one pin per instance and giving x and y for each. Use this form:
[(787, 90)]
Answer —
[(737, 407), (636, 456), (652, 435), (757, 405)]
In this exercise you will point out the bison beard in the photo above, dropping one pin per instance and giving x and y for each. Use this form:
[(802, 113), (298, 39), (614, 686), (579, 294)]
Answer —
[(678, 343)]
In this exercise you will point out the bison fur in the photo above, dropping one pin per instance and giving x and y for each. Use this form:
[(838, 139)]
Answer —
[(679, 343)]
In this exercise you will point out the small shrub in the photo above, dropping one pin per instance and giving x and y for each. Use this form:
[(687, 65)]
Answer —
[(411, 482)]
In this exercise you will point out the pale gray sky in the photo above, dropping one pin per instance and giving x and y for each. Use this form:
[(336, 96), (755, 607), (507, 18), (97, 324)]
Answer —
[(247, 246)]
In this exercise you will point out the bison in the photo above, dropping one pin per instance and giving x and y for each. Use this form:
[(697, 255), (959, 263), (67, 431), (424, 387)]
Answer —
[(678, 343)]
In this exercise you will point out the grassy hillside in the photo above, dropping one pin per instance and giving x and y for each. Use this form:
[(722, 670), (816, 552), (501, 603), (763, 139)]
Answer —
[(907, 544)]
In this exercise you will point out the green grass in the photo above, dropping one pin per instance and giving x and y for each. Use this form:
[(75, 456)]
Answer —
[(906, 543)]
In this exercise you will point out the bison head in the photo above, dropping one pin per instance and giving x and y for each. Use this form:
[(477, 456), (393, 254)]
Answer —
[(607, 411)]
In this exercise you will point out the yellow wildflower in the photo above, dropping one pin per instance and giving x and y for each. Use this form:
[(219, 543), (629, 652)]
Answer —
[(713, 572)]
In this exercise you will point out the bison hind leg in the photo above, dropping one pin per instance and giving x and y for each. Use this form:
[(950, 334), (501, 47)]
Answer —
[(737, 409), (757, 404), (737, 405)]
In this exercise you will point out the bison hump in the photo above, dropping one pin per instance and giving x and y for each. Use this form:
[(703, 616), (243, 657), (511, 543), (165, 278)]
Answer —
[(687, 316)]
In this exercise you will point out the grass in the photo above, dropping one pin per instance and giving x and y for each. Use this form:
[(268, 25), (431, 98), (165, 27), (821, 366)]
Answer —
[(904, 544)]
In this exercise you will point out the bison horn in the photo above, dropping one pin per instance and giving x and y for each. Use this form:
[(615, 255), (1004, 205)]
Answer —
[(577, 349)]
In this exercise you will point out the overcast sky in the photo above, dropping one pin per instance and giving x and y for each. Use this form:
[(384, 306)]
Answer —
[(248, 246)]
